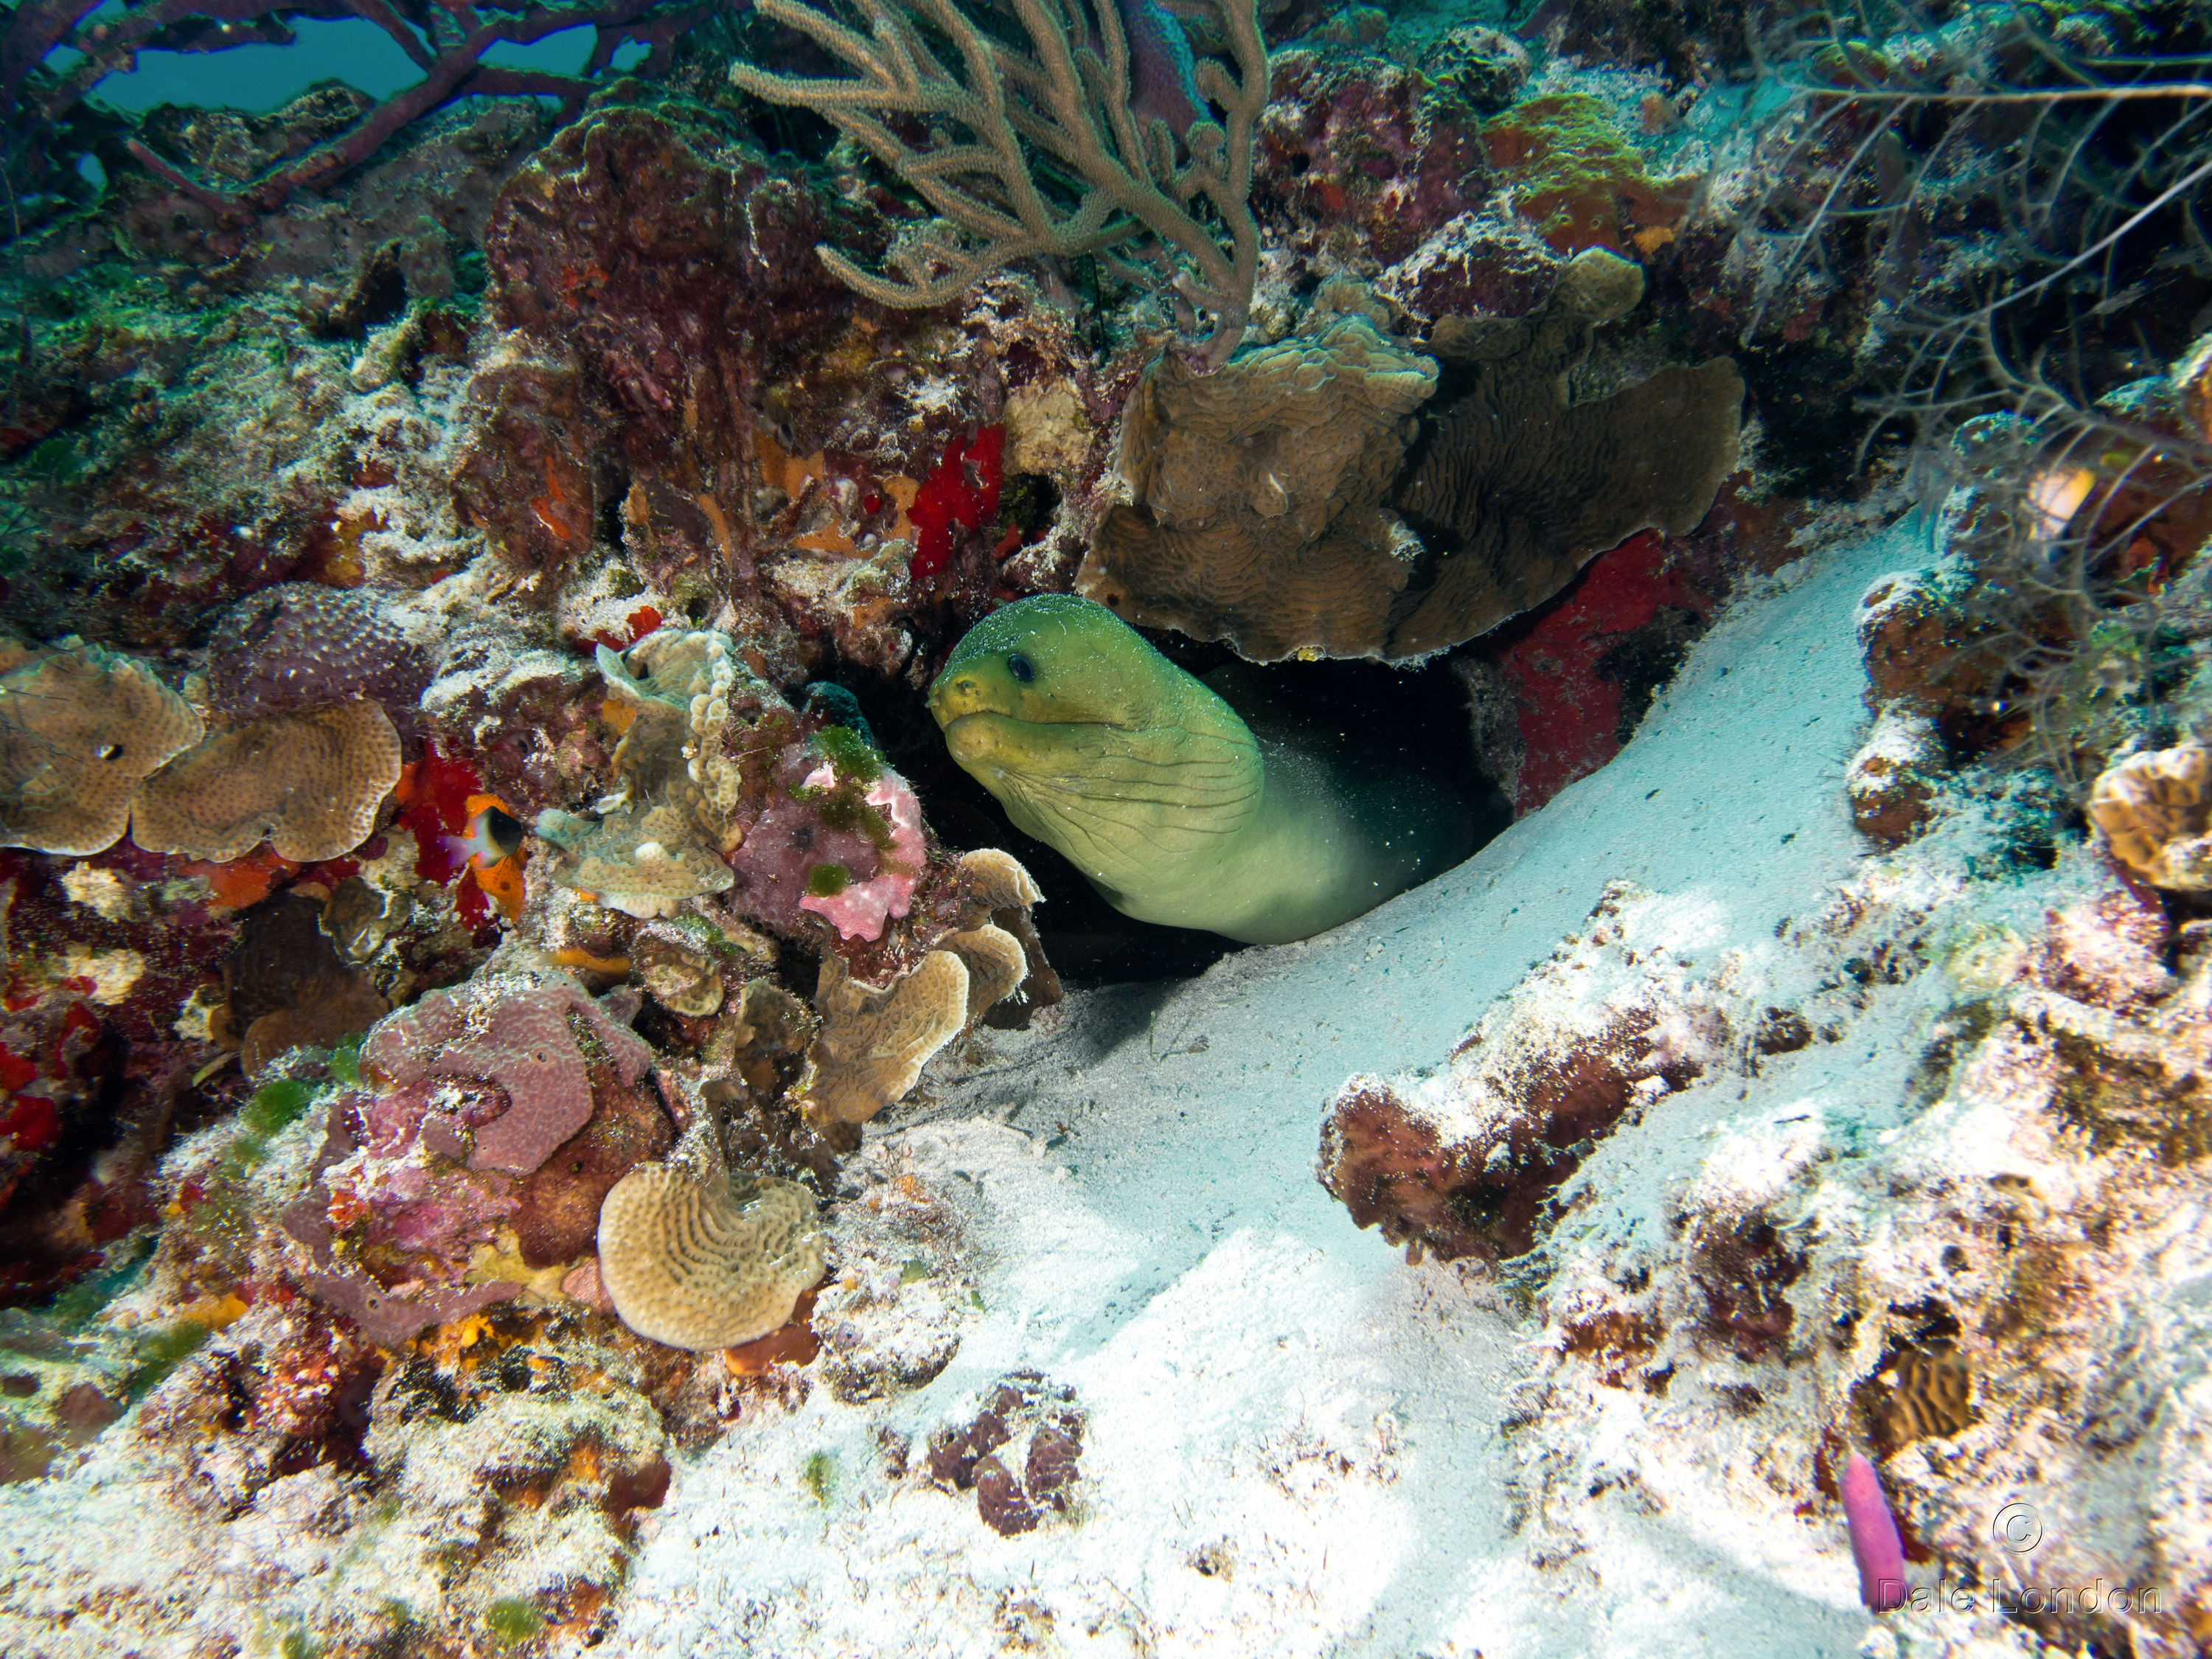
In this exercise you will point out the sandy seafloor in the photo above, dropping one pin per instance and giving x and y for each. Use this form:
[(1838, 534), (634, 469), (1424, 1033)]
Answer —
[(1297, 1442), (1268, 1384)]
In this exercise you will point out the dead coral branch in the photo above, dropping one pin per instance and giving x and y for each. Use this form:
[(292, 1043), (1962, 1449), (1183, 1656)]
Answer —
[(1060, 112)]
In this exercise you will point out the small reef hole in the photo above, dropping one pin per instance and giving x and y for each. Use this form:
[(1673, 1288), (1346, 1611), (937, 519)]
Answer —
[(1382, 717)]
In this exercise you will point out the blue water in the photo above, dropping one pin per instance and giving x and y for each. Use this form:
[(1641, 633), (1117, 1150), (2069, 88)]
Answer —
[(261, 78)]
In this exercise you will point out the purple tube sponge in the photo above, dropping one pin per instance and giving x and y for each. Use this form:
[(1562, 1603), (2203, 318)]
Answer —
[(1875, 1545)]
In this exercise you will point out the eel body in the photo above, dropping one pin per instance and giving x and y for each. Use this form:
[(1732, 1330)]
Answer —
[(1164, 796)]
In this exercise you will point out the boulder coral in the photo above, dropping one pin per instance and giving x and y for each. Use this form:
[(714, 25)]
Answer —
[(298, 645)]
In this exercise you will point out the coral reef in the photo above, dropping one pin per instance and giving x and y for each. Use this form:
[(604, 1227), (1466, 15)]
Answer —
[(1514, 485), (395, 1204)]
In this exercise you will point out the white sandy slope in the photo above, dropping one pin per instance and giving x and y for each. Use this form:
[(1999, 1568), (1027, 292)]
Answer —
[(1273, 1395)]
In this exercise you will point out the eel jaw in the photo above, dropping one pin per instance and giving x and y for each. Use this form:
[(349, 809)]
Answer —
[(986, 743)]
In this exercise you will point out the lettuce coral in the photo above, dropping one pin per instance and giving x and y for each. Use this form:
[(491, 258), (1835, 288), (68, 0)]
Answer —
[(80, 727), (309, 783)]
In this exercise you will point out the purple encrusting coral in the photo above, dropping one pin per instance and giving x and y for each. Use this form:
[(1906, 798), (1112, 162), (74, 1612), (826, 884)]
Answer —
[(297, 645), (512, 1034), (469, 1091)]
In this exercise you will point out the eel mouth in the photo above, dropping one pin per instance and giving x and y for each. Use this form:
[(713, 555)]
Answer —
[(997, 744)]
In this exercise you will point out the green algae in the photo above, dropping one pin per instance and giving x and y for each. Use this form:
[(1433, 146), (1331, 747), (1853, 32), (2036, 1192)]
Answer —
[(850, 752), (819, 1474), (828, 880), (511, 1620)]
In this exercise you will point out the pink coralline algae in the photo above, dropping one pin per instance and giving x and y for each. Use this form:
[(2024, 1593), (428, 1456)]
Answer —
[(842, 839), (1876, 1544), (511, 1034), (861, 908), (469, 1095)]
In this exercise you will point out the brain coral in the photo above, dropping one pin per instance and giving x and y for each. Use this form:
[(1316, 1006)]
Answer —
[(309, 783), (1274, 511), (298, 645), (2155, 810), (520, 1035), (79, 728), (698, 1260)]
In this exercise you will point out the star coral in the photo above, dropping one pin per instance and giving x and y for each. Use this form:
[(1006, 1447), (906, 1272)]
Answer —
[(297, 645)]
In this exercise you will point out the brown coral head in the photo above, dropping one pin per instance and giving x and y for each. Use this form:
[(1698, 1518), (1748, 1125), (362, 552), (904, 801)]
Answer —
[(1277, 506), (1258, 495), (308, 783), (701, 1260), (1515, 487)]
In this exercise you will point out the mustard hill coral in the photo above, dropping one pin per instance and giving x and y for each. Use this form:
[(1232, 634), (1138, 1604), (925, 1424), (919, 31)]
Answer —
[(309, 783), (2155, 812), (697, 1259), (79, 728)]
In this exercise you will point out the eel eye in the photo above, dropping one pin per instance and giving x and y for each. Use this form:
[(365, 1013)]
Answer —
[(1020, 667)]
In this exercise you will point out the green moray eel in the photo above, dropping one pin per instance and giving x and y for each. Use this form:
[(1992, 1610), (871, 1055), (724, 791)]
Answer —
[(1164, 797)]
